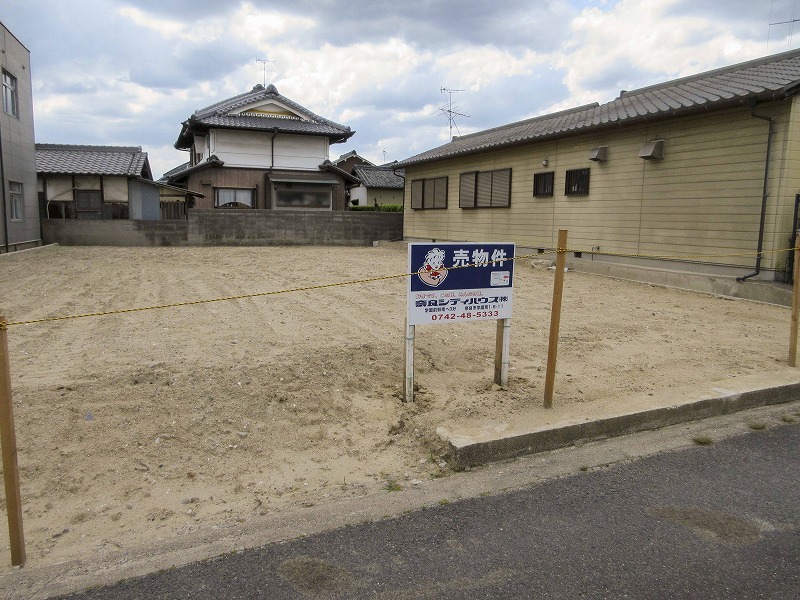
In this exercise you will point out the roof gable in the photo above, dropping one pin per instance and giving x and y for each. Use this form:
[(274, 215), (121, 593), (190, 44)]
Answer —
[(261, 109), (765, 79)]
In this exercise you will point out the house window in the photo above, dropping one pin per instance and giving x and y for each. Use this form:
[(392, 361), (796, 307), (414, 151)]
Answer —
[(429, 193), (233, 198), (304, 196), (485, 189), (17, 201), (543, 184), (88, 204), (10, 101), (115, 210), (576, 182)]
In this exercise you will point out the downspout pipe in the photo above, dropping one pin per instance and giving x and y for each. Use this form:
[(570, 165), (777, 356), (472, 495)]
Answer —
[(404, 183), (3, 195), (764, 196)]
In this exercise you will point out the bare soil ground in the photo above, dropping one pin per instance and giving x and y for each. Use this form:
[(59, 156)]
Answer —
[(158, 424)]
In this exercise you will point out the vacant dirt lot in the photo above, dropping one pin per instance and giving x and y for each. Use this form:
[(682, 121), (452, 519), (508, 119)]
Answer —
[(152, 425)]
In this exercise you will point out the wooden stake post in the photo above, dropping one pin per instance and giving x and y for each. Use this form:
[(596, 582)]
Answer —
[(795, 308), (9, 448), (555, 318), (502, 351)]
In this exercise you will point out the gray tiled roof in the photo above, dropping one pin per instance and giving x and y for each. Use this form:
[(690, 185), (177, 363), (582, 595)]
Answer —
[(770, 78), (92, 160), (379, 177), (220, 115)]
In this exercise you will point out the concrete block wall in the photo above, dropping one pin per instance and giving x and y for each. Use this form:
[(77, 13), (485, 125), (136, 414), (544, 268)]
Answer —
[(210, 227), (214, 227), (73, 232)]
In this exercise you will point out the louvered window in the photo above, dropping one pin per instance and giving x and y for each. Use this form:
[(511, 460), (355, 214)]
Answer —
[(429, 193), (485, 189)]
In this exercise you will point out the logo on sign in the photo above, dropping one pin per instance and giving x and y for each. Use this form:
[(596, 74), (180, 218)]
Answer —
[(433, 272)]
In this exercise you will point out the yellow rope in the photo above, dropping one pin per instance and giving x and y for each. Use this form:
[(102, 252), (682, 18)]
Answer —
[(6, 324)]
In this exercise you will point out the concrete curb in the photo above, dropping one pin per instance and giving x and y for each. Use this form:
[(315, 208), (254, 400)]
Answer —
[(464, 455)]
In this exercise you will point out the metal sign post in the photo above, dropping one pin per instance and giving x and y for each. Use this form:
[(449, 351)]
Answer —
[(455, 282)]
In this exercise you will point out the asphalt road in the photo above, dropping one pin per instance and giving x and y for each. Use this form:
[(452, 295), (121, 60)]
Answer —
[(719, 521)]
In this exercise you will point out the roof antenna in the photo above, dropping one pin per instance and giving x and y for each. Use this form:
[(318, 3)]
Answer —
[(450, 110), (789, 22), (265, 61)]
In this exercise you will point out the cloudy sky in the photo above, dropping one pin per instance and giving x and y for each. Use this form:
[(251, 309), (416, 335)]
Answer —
[(128, 73)]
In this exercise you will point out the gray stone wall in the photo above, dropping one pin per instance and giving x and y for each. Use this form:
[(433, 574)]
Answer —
[(73, 232), (214, 227), (209, 227)]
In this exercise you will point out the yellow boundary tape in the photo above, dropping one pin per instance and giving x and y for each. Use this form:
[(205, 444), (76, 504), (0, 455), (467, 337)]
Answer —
[(4, 325)]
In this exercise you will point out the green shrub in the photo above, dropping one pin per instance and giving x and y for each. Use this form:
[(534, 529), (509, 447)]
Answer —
[(378, 208)]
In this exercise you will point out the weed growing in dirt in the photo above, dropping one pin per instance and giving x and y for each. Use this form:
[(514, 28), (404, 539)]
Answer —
[(584, 467), (788, 418), (393, 486), (757, 425)]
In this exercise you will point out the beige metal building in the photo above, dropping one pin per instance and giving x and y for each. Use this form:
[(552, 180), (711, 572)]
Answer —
[(19, 207), (695, 175)]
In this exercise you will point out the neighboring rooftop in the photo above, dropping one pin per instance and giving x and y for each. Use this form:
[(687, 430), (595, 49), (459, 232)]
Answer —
[(379, 177), (769, 78), (261, 109), (129, 161)]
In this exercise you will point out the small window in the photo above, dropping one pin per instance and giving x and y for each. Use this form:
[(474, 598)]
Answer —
[(301, 195), (17, 201), (115, 210), (429, 193), (576, 183), (543, 184), (10, 100), (88, 204), (233, 198), (485, 189)]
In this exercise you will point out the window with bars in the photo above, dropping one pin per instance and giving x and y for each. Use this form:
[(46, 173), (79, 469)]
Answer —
[(576, 182), (429, 193), (485, 189), (544, 184)]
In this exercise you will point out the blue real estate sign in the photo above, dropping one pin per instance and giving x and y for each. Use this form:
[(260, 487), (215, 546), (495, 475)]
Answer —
[(458, 281)]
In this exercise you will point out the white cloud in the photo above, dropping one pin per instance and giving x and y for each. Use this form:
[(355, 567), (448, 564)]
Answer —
[(476, 67), (167, 28), (641, 39)]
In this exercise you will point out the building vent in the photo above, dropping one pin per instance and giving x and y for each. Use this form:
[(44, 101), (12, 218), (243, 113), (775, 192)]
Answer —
[(599, 154), (653, 150)]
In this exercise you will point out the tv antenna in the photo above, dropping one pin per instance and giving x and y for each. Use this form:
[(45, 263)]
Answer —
[(265, 61), (449, 109)]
